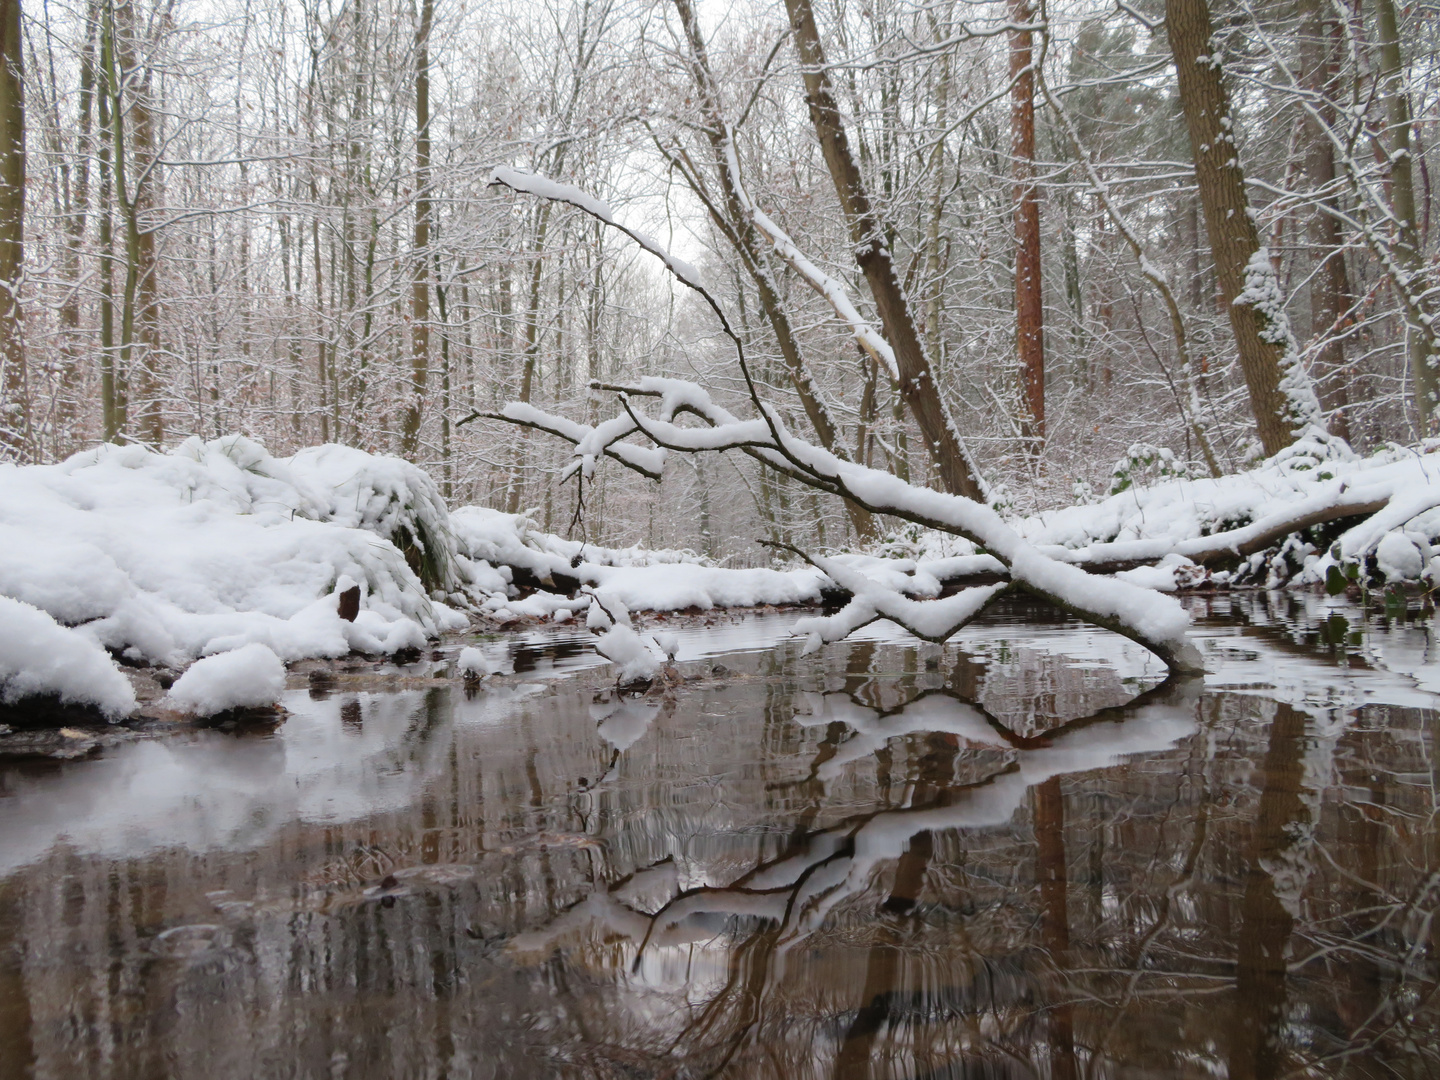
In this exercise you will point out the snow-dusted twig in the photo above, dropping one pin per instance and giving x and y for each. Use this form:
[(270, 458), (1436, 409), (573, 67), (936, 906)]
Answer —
[(648, 461)]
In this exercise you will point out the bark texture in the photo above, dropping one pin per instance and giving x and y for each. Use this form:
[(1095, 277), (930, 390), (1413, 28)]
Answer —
[(15, 418), (1330, 295), (420, 289), (1423, 376), (1233, 237)]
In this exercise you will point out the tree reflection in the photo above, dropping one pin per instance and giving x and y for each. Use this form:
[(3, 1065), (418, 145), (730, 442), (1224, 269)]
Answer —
[(883, 871)]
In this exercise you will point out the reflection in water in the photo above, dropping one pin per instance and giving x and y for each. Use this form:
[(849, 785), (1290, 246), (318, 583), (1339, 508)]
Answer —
[(863, 865)]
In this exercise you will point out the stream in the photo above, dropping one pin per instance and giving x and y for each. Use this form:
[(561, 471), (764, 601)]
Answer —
[(1027, 854)]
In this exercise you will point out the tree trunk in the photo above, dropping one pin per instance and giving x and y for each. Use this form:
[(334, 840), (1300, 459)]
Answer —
[(76, 204), (1029, 305), (740, 231), (917, 382), (15, 419), (139, 313), (112, 388), (1424, 378), (1330, 295), (1277, 385), (420, 290)]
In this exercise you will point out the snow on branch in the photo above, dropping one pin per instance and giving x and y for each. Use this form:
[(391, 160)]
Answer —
[(1152, 619), (545, 188), (832, 290), (1158, 622), (871, 601), (648, 461)]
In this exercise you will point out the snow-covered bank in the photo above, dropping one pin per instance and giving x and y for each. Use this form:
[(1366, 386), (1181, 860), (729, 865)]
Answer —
[(164, 558), (1314, 506)]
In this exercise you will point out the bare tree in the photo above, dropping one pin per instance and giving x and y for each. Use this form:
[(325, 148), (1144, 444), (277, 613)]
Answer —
[(1029, 290), (15, 419), (1281, 398), (957, 471)]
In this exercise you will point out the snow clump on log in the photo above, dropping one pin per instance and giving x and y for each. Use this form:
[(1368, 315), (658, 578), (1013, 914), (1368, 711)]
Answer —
[(251, 677)]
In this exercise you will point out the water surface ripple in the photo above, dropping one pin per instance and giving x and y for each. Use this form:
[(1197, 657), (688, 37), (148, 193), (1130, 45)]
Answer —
[(1026, 854)]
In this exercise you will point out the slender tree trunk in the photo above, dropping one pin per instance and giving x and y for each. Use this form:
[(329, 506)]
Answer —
[(138, 313), (1029, 301), (917, 381), (1423, 375), (77, 201), (420, 290), (1330, 295), (934, 281), (740, 231), (15, 418), (1280, 394), (112, 389)]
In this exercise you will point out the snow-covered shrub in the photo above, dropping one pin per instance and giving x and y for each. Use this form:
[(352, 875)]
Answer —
[(1143, 465)]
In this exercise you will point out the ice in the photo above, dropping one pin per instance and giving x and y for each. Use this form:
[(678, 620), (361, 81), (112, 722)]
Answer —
[(249, 677), (39, 657)]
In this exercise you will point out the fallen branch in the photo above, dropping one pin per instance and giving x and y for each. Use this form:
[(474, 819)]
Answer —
[(1153, 620)]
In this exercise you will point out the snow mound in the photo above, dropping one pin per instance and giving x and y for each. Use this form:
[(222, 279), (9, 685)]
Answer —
[(390, 497), (250, 677), (1399, 557), (1318, 473), (39, 657), (631, 654), (166, 557), (472, 663)]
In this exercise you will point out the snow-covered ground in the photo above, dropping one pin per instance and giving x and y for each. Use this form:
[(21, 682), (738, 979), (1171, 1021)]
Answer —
[(165, 558)]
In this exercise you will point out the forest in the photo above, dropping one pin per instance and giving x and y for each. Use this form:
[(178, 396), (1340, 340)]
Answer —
[(1105, 244), (661, 539)]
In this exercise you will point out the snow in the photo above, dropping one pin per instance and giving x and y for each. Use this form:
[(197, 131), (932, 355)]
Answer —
[(631, 654), (1399, 557), (249, 677), (832, 290), (1262, 292), (545, 188), (39, 657), (472, 664), (166, 557), (1165, 576), (934, 620)]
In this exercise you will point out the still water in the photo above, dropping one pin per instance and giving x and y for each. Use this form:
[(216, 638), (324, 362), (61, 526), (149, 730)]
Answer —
[(1022, 855)]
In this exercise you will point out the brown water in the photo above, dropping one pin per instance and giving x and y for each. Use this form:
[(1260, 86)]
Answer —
[(880, 861)]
